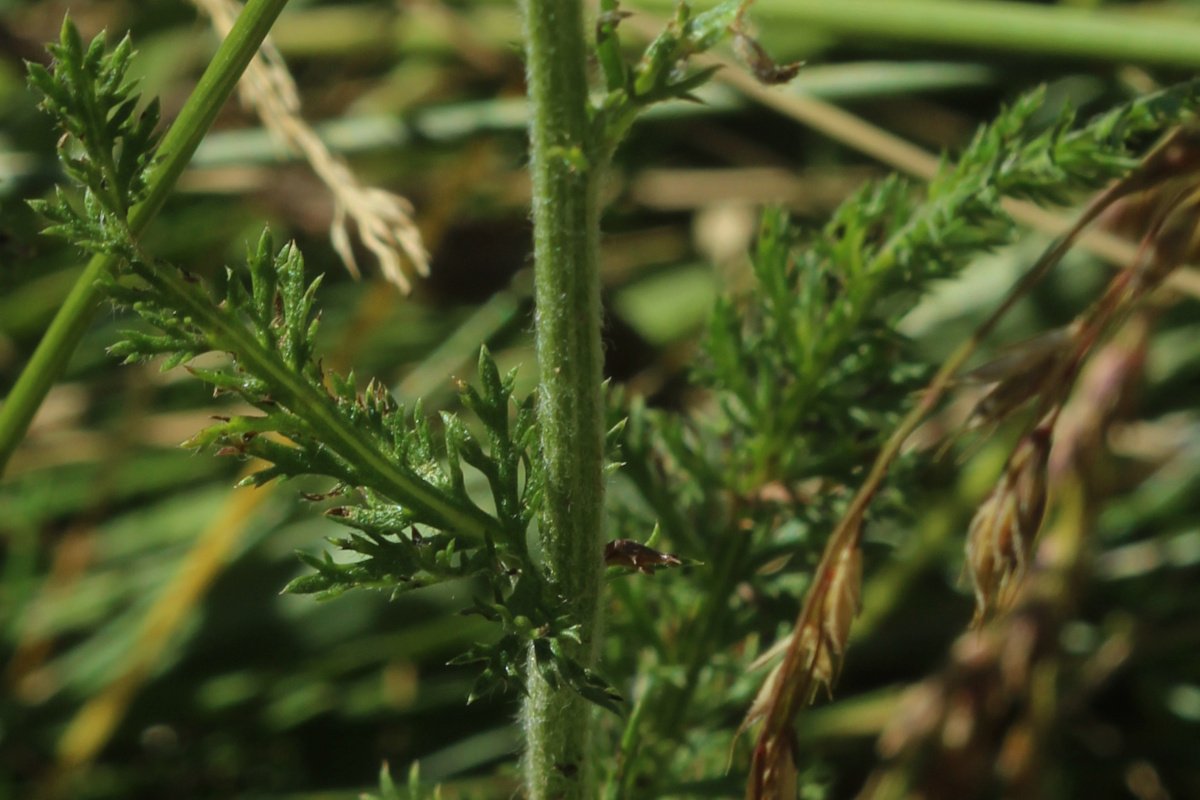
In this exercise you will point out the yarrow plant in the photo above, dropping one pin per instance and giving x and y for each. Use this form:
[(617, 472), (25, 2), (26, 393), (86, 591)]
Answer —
[(810, 378)]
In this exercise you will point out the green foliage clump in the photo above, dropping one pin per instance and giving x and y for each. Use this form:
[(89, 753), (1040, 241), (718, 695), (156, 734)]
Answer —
[(815, 357), (809, 373), (415, 519), (108, 141)]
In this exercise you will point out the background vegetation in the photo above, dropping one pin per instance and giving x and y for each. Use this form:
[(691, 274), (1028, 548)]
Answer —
[(148, 650)]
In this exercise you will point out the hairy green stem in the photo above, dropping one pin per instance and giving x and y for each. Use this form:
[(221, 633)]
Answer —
[(1056, 31), (73, 317), (566, 164)]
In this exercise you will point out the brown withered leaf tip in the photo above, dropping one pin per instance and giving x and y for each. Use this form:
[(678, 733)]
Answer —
[(756, 58), (608, 18), (634, 555)]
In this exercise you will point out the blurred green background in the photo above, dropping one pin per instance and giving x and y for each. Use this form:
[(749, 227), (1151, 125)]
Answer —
[(147, 651)]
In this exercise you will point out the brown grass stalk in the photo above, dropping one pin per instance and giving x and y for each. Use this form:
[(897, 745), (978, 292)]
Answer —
[(1000, 537), (794, 686), (981, 720)]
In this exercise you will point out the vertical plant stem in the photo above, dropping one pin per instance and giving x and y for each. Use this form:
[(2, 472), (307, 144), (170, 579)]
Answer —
[(565, 165), (180, 142)]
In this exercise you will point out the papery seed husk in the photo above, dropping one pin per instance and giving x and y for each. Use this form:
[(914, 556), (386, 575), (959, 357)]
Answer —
[(758, 709), (1029, 462), (824, 672), (981, 552), (843, 601), (773, 772), (810, 645), (1022, 357), (1000, 537)]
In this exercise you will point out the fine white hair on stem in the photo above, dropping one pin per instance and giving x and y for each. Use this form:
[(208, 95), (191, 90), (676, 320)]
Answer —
[(383, 219)]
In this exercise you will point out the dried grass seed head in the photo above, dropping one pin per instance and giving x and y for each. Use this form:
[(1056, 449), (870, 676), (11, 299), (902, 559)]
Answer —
[(383, 220), (1001, 535)]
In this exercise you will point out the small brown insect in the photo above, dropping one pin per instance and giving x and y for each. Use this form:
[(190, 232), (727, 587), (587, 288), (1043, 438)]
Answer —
[(628, 553)]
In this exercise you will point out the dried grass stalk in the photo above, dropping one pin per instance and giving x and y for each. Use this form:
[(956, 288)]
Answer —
[(383, 219), (792, 685), (977, 726), (1002, 535), (814, 659), (1000, 538)]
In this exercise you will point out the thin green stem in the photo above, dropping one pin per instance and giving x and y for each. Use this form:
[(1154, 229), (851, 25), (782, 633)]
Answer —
[(50, 358), (1056, 31), (566, 166)]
